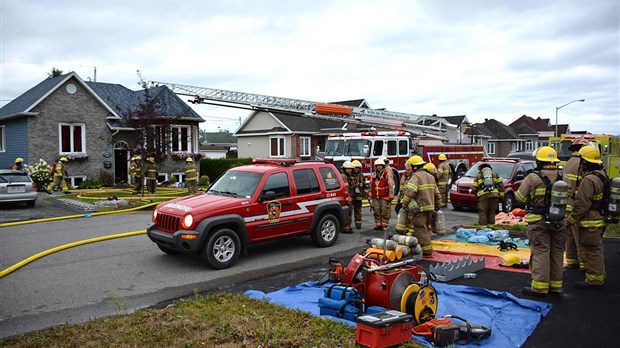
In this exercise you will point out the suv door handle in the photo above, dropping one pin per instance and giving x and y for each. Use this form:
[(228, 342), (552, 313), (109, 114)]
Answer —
[(318, 197), (287, 202)]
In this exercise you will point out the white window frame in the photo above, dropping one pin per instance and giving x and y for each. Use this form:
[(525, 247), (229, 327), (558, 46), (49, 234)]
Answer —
[(514, 146), (281, 148), (178, 141), (491, 148), (73, 177), (2, 139), (306, 146), (529, 145), (72, 125), (180, 177)]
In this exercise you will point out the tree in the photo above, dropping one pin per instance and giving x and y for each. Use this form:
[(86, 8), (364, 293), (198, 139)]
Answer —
[(54, 73)]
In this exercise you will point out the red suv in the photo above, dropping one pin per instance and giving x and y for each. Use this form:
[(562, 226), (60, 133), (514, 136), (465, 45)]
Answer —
[(268, 199), (511, 170)]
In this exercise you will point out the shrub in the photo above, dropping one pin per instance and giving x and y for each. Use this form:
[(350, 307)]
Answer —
[(204, 181), (214, 167), (90, 184), (106, 177), (172, 180)]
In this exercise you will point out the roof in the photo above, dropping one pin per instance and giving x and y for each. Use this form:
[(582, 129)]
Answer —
[(294, 123), (496, 130), (538, 124), (219, 138), (455, 120), (358, 103)]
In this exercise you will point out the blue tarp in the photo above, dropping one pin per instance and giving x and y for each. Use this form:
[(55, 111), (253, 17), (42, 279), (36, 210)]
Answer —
[(512, 319)]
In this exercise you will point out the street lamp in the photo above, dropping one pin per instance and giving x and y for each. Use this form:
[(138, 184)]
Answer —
[(558, 108)]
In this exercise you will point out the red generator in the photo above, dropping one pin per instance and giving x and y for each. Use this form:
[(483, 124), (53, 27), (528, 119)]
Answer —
[(385, 329)]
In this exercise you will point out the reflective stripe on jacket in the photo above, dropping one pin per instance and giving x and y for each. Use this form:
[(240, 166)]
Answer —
[(571, 174), (478, 188), (443, 173), (533, 189), (422, 189), (589, 192)]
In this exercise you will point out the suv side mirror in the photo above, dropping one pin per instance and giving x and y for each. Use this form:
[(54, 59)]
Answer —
[(267, 196), (520, 175)]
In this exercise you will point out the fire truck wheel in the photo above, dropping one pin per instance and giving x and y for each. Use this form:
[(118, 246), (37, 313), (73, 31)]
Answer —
[(508, 203), (222, 249), (326, 232)]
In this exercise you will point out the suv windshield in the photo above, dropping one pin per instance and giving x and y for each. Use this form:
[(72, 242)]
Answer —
[(236, 184), (352, 147), (504, 170)]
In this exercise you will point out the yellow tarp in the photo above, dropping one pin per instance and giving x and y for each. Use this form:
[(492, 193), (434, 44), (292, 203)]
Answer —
[(478, 249)]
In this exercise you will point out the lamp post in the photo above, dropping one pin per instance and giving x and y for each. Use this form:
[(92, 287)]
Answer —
[(558, 108)]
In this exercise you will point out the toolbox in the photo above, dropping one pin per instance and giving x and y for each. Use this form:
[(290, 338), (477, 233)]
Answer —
[(385, 329)]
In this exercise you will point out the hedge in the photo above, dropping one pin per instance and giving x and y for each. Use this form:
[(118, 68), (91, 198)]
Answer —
[(214, 167)]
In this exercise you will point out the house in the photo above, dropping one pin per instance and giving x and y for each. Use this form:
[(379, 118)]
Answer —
[(283, 135), (536, 132), (222, 144), (97, 127), (500, 139), (461, 122)]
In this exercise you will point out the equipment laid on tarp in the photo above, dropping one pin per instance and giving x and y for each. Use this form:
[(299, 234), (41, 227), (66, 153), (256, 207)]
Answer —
[(447, 271), (385, 329), (446, 332)]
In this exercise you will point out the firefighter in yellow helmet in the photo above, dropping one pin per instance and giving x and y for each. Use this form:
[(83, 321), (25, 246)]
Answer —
[(547, 236), (420, 199), (489, 189), (381, 194), (347, 177), (136, 172), (151, 175), (403, 223), (587, 216), (360, 193), (444, 173), (58, 173), (19, 164), (571, 174), (191, 177)]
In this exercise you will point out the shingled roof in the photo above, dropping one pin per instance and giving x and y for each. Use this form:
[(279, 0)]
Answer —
[(294, 123), (496, 130)]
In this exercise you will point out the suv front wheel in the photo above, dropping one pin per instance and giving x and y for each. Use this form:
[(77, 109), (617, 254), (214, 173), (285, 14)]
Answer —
[(222, 249), (508, 203), (326, 232)]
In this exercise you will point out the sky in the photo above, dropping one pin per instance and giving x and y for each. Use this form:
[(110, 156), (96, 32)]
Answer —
[(483, 59)]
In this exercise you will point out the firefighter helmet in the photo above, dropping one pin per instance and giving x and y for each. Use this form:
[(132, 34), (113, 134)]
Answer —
[(63, 159), (484, 165), (357, 164), (151, 159), (138, 158), (347, 165), (510, 259), (578, 143), (546, 154), (416, 161), (442, 157), (379, 162), (430, 167), (189, 159), (19, 160), (590, 154)]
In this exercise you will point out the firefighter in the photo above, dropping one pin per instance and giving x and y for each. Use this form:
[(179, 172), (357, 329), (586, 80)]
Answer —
[(191, 178), (571, 174), (586, 215), (489, 188), (151, 175), (444, 173), (432, 170), (381, 193), (547, 238), (347, 177), (135, 170), (403, 219), (19, 164), (360, 192), (58, 173), (421, 198)]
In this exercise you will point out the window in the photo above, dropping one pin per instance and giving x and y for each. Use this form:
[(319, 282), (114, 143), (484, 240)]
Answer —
[(72, 137), (305, 146), (491, 148), (403, 147), (181, 138), (305, 181), (378, 149), (156, 137), (179, 176), (392, 148), (514, 146), (277, 145), (2, 144), (75, 181), (529, 145), (277, 183), (330, 179)]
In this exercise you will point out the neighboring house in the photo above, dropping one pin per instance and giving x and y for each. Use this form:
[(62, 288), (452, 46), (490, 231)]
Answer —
[(221, 144), (280, 135), (461, 122), (500, 139), (86, 122), (536, 132)]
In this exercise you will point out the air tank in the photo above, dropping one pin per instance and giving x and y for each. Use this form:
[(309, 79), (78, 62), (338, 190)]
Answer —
[(559, 198)]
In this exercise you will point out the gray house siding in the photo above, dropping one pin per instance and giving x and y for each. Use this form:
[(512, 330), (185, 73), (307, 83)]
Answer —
[(16, 142)]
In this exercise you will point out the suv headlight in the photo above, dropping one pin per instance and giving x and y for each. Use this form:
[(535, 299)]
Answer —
[(454, 187), (154, 216), (187, 221)]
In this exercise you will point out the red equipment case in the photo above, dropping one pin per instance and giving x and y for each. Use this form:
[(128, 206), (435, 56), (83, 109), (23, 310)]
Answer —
[(385, 329)]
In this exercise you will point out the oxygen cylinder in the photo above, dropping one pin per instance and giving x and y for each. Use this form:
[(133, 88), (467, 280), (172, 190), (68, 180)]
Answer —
[(417, 250), (390, 255), (401, 221), (559, 198), (613, 204), (440, 223), (409, 241), (404, 250), (487, 176), (379, 242)]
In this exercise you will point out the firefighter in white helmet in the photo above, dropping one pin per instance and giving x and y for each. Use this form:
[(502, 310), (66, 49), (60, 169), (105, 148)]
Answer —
[(381, 194)]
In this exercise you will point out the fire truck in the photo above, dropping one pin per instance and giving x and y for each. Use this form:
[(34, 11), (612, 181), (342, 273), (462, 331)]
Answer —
[(608, 145), (405, 135)]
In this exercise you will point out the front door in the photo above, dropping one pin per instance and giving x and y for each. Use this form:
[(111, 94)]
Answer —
[(120, 166)]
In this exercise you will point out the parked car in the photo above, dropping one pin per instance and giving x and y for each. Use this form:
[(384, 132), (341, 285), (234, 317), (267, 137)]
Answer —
[(511, 170), (526, 155), (16, 186), (268, 199)]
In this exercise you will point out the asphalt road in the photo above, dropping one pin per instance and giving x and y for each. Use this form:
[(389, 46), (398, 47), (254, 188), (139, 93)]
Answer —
[(118, 275)]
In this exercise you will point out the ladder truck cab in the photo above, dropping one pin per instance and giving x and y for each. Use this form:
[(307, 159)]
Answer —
[(608, 145), (397, 147)]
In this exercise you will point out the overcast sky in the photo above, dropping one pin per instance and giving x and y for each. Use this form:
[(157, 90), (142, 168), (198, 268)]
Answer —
[(483, 59)]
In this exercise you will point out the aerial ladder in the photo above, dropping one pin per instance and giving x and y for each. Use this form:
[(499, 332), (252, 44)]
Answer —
[(419, 125)]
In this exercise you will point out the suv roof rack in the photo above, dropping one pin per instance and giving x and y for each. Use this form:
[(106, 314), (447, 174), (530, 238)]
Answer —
[(509, 159)]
